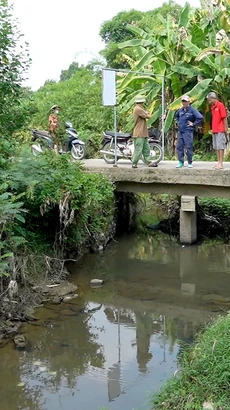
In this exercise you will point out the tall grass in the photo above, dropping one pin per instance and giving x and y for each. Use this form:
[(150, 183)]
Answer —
[(204, 375)]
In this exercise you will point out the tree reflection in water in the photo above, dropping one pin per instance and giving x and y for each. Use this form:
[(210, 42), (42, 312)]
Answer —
[(157, 295), (64, 351)]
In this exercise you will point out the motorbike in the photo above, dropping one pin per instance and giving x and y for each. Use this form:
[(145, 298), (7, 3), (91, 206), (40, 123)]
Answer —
[(42, 141), (125, 146)]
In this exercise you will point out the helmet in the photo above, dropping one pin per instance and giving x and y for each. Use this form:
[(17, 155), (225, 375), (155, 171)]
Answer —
[(139, 99), (55, 107)]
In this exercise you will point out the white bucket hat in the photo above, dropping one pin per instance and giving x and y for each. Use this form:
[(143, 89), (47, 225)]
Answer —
[(139, 99)]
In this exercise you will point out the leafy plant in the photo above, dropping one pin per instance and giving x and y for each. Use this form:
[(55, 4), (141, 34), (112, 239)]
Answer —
[(14, 62), (204, 374), (190, 54), (60, 198), (11, 216)]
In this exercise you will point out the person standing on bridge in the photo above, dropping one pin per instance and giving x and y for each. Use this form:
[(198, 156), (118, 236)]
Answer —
[(219, 128), (141, 134), (187, 118)]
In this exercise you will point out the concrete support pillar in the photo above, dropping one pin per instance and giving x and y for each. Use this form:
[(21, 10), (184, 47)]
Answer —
[(188, 220)]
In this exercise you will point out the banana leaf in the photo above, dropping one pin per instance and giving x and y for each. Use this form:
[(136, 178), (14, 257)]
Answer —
[(176, 85), (140, 33), (188, 72), (145, 61), (135, 43), (169, 120), (196, 51), (184, 16), (199, 90), (208, 52), (198, 35), (156, 115)]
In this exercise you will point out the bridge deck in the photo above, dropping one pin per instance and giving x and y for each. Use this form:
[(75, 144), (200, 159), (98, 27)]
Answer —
[(202, 180), (100, 163)]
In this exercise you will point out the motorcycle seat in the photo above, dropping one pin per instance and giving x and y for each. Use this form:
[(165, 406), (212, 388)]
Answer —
[(119, 134), (43, 133)]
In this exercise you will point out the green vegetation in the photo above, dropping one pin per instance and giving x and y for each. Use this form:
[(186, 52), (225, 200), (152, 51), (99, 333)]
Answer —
[(14, 62), (116, 30), (80, 100), (52, 196), (188, 48), (191, 53), (213, 218), (204, 374), (49, 200), (219, 207), (161, 212), (47, 204)]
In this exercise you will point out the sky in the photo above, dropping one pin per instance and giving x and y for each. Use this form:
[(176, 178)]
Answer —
[(60, 32)]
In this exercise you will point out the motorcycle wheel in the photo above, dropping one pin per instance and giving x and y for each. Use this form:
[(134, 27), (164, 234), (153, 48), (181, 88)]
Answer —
[(109, 159), (36, 149), (155, 152), (78, 151)]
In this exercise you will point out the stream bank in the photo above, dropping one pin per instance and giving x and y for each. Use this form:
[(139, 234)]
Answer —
[(203, 379), (44, 278), (128, 213)]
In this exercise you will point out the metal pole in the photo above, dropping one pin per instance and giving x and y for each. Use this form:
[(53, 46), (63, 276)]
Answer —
[(119, 337), (163, 106), (162, 119), (115, 133)]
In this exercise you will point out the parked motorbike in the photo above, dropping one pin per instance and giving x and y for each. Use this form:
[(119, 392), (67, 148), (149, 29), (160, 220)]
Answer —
[(43, 141), (125, 146)]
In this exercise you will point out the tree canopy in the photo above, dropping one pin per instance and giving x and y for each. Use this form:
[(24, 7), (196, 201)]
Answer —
[(14, 62), (67, 74), (191, 53), (188, 47), (116, 30)]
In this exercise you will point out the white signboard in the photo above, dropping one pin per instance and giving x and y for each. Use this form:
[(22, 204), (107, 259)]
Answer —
[(109, 87)]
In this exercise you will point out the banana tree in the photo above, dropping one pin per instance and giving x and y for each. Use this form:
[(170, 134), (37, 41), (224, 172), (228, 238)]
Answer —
[(163, 57), (186, 55), (155, 54)]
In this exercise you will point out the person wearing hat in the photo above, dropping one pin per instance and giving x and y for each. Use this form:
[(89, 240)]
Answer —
[(141, 134), (219, 127), (187, 119), (53, 126)]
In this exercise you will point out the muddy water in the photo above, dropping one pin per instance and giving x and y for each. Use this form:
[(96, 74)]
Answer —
[(114, 345)]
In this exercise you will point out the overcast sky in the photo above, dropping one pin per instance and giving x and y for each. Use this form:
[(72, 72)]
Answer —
[(60, 32)]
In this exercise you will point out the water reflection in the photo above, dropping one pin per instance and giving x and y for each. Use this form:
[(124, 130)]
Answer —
[(188, 269), (112, 345), (108, 349)]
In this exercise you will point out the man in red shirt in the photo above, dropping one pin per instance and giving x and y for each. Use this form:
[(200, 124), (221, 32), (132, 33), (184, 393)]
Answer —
[(219, 127)]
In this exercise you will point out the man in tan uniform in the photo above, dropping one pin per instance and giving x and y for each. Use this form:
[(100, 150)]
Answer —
[(140, 134)]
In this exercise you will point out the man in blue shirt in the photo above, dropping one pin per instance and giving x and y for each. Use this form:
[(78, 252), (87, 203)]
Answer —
[(187, 118)]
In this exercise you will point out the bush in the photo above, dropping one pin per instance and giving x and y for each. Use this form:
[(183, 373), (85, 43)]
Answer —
[(51, 197), (219, 207)]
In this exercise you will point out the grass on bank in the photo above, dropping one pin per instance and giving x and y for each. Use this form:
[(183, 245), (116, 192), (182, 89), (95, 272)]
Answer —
[(204, 375)]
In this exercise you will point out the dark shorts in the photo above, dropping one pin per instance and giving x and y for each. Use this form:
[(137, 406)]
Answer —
[(219, 140)]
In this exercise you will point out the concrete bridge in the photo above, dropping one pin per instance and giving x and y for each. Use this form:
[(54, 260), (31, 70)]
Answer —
[(202, 180)]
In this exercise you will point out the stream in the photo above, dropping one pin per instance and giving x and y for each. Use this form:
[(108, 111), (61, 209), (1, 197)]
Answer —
[(115, 345)]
